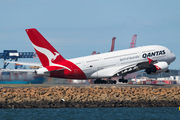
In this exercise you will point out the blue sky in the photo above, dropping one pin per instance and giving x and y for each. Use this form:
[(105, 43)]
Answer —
[(78, 27)]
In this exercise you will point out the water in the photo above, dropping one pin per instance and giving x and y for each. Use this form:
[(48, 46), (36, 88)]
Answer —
[(159, 113)]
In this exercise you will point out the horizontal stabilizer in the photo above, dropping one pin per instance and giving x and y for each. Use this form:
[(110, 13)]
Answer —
[(54, 71), (18, 70), (25, 63)]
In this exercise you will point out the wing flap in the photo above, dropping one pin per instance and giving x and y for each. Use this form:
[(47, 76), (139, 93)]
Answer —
[(127, 69), (111, 71)]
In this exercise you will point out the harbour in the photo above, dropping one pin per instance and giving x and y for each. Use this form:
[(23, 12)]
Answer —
[(89, 60), (123, 113)]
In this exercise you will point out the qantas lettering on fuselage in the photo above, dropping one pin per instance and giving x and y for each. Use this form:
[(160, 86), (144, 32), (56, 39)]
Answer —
[(156, 53)]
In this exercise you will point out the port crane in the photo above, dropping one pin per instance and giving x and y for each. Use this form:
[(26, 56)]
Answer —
[(15, 55)]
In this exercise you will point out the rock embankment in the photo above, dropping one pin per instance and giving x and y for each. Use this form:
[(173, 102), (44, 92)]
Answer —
[(59, 97)]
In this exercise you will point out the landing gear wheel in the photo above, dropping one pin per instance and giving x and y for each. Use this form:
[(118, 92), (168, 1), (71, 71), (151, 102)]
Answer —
[(109, 81), (120, 80), (99, 81), (123, 80)]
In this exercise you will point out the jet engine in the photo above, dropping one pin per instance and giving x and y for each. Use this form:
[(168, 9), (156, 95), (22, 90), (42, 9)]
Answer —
[(157, 68)]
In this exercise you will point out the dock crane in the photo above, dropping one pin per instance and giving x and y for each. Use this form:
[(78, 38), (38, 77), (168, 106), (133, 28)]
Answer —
[(15, 55), (112, 46), (133, 42)]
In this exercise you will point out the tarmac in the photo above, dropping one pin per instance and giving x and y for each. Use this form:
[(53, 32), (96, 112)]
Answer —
[(89, 85)]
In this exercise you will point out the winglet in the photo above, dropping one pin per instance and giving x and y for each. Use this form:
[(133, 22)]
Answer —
[(150, 60)]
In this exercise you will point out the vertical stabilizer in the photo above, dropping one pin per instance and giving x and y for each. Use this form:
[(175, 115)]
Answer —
[(45, 51)]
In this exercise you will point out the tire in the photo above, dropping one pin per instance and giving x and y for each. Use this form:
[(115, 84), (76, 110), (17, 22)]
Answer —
[(126, 81)]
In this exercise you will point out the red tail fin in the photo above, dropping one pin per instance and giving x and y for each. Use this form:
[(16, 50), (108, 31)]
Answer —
[(45, 51)]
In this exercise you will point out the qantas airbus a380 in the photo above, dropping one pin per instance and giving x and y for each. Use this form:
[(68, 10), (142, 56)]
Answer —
[(154, 59)]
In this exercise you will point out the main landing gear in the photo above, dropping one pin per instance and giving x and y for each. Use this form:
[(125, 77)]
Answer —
[(108, 81), (123, 80)]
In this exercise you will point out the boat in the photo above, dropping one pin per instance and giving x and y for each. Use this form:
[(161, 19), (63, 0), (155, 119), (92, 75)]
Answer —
[(9, 77)]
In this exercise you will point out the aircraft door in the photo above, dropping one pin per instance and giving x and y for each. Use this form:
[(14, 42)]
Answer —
[(90, 67)]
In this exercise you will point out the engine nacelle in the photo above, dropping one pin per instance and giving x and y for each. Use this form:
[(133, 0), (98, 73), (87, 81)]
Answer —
[(157, 68)]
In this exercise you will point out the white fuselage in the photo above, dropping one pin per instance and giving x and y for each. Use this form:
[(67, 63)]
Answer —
[(101, 65)]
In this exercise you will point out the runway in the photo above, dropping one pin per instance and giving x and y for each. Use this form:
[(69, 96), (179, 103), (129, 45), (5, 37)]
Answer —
[(87, 85)]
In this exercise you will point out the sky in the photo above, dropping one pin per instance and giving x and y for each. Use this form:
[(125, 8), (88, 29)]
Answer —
[(76, 28)]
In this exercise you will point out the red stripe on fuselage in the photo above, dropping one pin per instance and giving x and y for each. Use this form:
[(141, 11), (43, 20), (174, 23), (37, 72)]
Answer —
[(75, 73)]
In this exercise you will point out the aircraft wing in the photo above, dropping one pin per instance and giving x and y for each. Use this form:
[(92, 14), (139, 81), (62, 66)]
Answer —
[(123, 70), (25, 63), (113, 71), (127, 69)]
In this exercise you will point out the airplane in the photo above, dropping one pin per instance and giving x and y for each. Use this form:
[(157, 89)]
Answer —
[(153, 59)]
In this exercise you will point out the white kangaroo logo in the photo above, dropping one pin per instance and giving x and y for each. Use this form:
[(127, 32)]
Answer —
[(55, 56), (51, 57)]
